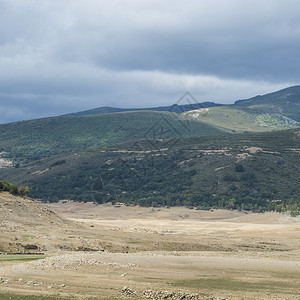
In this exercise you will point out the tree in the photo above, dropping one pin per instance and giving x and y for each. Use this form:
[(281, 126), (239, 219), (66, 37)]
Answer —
[(24, 190), (13, 190)]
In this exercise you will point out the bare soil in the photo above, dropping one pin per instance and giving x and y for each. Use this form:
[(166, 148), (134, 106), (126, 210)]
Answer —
[(88, 251)]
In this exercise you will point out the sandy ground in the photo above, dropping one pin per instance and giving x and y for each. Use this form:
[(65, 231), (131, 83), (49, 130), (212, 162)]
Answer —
[(94, 251)]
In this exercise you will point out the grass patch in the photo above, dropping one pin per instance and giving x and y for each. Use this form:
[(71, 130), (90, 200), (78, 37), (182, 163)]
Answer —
[(27, 237), (232, 284), (29, 297), (22, 259), (33, 297), (291, 275), (134, 242)]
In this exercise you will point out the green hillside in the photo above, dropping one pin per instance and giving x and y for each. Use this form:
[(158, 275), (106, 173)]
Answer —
[(244, 171), (36, 139), (27, 141), (284, 103), (275, 111), (234, 119), (163, 158)]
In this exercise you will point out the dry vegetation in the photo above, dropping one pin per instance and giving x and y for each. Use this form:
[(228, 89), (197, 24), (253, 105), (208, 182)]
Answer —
[(79, 250)]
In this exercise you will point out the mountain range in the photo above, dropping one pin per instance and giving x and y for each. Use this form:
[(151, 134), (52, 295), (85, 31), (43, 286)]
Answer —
[(242, 156), (26, 141), (175, 108)]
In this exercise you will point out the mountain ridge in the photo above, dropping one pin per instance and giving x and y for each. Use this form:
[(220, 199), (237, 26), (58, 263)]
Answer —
[(175, 108), (273, 111)]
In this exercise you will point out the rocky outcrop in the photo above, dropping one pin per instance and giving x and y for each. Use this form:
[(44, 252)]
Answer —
[(160, 295)]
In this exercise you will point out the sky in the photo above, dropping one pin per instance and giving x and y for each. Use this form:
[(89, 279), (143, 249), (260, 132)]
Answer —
[(59, 57)]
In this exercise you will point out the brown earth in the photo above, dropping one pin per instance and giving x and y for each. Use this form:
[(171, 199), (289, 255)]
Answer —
[(93, 251)]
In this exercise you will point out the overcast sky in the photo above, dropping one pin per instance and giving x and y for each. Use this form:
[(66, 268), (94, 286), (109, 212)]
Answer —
[(64, 56)]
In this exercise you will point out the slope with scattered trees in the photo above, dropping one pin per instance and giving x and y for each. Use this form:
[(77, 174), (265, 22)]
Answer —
[(248, 171)]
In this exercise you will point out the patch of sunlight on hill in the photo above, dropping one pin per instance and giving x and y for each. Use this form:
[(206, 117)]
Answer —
[(238, 120)]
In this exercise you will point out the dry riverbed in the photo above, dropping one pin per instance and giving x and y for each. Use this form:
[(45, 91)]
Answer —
[(93, 252)]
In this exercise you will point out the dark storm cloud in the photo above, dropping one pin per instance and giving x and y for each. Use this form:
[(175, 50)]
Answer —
[(62, 56), (223, 38)]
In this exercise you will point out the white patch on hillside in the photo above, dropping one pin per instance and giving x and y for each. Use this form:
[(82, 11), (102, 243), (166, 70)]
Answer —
[(5, 163)]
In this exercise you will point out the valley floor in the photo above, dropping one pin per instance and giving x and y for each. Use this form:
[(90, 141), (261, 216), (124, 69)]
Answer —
[(221, 254)]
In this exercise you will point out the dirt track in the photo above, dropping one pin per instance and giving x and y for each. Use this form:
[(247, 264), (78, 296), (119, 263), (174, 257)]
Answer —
[(220, 253)]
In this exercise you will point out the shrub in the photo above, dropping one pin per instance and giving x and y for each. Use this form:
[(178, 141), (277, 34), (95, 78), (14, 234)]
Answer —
[(239, 168)]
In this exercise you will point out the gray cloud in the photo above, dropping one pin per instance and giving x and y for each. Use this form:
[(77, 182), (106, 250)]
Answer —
[(62, 56)]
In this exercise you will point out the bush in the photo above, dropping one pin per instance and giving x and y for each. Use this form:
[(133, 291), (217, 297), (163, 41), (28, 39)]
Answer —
[(239, 168)]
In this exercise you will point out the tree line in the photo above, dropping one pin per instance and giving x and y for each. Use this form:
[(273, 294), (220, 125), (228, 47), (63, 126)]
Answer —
[(14, 190)]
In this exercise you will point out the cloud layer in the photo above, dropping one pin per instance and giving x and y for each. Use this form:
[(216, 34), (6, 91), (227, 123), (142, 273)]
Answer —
[(63, 56)]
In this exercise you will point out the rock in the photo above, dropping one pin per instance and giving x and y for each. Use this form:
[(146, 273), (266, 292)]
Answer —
[(160, 295), (126, 291)]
